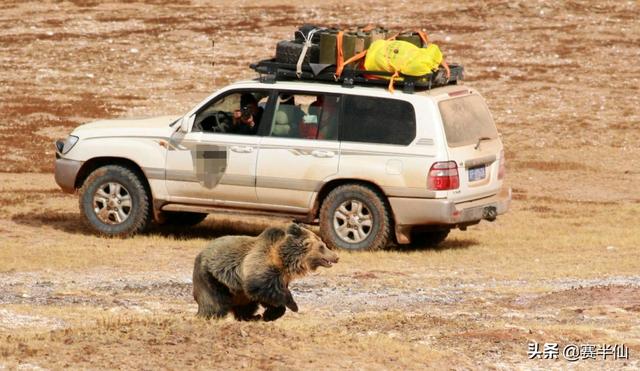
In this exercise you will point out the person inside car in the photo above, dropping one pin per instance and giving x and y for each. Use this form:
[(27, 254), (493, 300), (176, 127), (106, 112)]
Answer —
[(247, 118), (325, 110)]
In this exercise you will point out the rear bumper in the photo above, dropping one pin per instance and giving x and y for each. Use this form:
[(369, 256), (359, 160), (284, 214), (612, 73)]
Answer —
[(66, 172), (424, 211)]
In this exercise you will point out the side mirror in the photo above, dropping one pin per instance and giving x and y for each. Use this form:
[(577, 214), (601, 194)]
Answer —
[(186, 123)]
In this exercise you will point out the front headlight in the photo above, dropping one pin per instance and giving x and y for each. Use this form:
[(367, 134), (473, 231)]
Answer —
[(64, 146)]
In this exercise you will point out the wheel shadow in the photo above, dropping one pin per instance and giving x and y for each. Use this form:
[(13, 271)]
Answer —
[(212, 227), (63, 221), (450, 244)]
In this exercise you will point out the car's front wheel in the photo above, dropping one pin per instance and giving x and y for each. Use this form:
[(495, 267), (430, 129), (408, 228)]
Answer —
[(355, 217), (114, 201)]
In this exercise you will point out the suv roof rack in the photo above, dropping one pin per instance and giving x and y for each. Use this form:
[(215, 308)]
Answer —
[(271, 71)]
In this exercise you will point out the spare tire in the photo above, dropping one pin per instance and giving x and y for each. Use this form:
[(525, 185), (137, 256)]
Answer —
[(304, 30), (289, 52)]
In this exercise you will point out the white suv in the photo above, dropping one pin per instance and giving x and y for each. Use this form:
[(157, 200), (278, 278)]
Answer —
[(366, 164)]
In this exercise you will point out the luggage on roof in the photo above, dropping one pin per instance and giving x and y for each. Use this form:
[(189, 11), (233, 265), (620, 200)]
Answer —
[(403, 57), (271, 71), (364, 56)]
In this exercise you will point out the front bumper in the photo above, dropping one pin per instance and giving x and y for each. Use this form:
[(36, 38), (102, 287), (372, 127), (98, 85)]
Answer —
[(424, 211), (66, 172)]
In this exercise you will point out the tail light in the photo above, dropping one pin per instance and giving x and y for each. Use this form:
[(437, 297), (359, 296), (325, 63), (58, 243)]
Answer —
[(501, 170), (443, 176)]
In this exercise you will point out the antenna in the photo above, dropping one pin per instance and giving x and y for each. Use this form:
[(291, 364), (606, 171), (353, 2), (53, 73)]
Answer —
[(213, 60)]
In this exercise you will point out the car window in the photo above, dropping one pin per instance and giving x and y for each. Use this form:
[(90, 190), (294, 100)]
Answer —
[(306, 116), (466, 119), (377, 120), (239, 112)]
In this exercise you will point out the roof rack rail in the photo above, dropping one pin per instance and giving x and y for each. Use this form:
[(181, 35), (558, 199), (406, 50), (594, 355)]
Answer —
[(271, 71)]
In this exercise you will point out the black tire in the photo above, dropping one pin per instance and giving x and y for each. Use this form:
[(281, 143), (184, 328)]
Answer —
[(379, 232), (289, 52), (182, 219), (303, 31), (139, 211), (428, 239)]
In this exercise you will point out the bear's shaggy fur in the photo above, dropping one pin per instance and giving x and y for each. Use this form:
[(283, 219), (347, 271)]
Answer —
[(238, 273)]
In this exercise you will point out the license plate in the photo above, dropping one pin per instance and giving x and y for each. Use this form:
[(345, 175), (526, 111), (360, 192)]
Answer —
[(476, 173)]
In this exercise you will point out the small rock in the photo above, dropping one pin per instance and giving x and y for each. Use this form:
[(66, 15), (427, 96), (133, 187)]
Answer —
[(134, 50), (611, 248)]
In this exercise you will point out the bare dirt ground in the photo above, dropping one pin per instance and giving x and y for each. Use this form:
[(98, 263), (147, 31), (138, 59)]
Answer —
[(562, 79)]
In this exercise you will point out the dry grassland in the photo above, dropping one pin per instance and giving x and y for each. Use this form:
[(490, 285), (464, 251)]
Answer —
[(562, 81)]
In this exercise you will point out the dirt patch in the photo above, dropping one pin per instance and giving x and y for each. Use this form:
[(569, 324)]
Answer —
[(13, 320), (550, 166), (626, 297), (541, 209)]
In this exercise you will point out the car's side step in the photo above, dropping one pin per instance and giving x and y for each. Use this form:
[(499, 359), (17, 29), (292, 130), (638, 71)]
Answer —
[(234, 210)]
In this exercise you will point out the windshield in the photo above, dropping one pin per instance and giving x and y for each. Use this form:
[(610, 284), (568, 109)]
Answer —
[(466, 120)]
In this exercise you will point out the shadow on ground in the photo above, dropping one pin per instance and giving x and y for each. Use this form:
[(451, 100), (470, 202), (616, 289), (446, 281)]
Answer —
[(450, 244), (71, 222), (64, 221), (213, 227)]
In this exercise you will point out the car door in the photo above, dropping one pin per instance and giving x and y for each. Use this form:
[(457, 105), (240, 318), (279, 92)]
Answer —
[(300, 151), (214, 163)]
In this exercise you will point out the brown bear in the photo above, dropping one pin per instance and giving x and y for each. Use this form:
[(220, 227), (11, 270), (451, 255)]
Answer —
[(238, 273)]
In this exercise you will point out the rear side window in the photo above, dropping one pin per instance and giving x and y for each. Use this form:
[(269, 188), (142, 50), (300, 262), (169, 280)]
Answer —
[(306, 116), (466, 119), (377, 120)]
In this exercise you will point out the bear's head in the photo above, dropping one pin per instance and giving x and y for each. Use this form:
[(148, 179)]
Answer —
[(302, 251)]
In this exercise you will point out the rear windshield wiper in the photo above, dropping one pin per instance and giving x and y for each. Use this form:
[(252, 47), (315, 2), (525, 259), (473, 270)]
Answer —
[(480, 140)]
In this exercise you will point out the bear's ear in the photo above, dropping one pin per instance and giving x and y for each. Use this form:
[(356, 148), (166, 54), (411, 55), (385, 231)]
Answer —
[(273, 234), (295, 230)]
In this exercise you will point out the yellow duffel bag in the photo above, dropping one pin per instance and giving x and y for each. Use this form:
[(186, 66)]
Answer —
[(402, 57)]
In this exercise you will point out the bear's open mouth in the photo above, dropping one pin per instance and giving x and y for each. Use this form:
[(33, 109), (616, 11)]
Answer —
[(327, 263)]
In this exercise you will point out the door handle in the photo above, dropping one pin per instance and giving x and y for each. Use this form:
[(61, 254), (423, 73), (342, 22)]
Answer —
[(242, 149), (322, 154)]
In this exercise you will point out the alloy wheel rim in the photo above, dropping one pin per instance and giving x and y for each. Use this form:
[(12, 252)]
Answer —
[(353, 221), (112, 203)]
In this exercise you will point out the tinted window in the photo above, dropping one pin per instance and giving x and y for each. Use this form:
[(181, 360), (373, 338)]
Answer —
[(466, 120), (378, 120), (306, 116)]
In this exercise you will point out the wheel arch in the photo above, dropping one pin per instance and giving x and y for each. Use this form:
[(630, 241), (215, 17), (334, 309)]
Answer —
[(328, 187), (90, 165), (335, 183)]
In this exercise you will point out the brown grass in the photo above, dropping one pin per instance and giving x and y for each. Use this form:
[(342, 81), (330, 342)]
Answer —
[(562, 266), (98, 301), (550, 166)]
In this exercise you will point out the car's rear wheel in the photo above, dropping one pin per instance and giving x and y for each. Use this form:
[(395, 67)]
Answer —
[(355, 217), (115, 202)]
